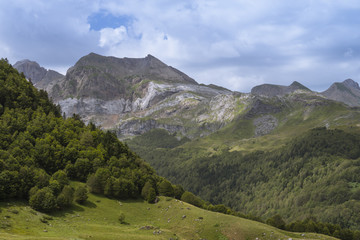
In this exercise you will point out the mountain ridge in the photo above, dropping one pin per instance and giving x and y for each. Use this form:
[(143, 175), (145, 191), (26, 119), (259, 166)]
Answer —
[(135, 95), (347, 92), (231, 147)]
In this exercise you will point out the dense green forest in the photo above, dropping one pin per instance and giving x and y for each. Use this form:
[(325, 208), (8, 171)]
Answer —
[(315, 175), (40, 152)]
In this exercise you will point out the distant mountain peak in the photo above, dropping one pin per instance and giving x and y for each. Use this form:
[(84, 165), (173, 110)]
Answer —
[(351, 84), (272, 90), (347, 92), (148, 67), (39, 76)]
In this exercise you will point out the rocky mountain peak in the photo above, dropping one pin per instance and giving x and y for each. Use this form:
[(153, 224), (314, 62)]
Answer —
[(347, 92), (351, 84), (272, 90), (31, 70), (148, 68), (39, 76)]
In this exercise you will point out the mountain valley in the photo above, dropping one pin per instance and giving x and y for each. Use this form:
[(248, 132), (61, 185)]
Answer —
[(262, 153)]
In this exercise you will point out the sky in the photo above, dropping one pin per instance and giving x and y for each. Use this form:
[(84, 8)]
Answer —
[(237, 44)]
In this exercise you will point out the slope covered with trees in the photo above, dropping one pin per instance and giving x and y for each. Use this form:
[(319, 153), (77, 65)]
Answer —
[(40, 151), (314, 175)]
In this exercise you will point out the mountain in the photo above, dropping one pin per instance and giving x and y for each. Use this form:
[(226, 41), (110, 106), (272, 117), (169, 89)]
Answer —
[(134, 95), (39, 76), (223, 145), (290, 169), (45, 161), (271, 90), (347, 92)]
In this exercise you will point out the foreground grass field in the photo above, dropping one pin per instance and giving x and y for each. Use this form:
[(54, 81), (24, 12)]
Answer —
[(98, 219)]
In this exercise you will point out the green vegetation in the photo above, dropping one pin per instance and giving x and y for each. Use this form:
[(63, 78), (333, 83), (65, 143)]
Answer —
[(40, 152), (98, 219), (311, 174), (49, 163)]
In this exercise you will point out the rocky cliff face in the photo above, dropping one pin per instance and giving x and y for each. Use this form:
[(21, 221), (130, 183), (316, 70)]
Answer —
[(135, 95)]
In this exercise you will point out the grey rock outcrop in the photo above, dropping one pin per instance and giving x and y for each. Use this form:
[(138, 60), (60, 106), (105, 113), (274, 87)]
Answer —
[(347, 92), (264, 125)]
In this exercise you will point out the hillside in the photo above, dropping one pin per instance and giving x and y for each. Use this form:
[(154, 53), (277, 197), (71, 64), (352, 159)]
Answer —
[(266, 175), (40, 152), (347, 92), (98, 219), (221, 144)]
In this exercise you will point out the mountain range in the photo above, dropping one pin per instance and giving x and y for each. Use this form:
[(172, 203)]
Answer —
[(283, 150), (135, 95)]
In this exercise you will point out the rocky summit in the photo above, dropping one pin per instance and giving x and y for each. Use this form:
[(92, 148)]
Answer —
[(39, 76), (347, 92), (135, 95), (272, 90)]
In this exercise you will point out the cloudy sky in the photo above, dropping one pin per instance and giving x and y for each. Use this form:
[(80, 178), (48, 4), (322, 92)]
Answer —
[(233, 43)]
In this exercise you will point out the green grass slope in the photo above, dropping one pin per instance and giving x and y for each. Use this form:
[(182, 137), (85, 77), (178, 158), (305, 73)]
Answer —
[(98, 219)]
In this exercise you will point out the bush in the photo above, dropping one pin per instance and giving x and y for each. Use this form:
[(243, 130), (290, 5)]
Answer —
[(121, 218), (145, 190), (81, 194), (192, 199), (151, 197), (166, 189), (178, 191), (43, 200), (276, 221)]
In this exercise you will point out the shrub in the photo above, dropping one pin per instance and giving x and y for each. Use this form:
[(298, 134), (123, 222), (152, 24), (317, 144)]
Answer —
[(121, 218), (81, 194), (43, 200), (166, 189), (151, 197)]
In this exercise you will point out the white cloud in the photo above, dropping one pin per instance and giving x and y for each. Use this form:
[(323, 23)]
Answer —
[(235, 43), (110, 37)]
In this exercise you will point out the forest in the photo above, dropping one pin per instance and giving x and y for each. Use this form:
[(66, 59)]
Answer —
[(315, 175), (41, 152)]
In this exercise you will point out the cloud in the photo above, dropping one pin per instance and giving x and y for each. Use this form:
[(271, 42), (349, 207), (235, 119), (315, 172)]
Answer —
[(54, 33), (110, 37), (236, 43)]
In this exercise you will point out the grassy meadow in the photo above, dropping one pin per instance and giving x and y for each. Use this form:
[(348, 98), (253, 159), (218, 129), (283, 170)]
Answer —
[(98, 219)]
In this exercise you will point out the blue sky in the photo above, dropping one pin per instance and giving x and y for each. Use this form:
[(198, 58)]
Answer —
[(233, 43)]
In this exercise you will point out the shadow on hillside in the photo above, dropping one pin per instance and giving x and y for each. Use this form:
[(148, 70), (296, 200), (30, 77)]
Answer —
[(74, 209), (89, 204)]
